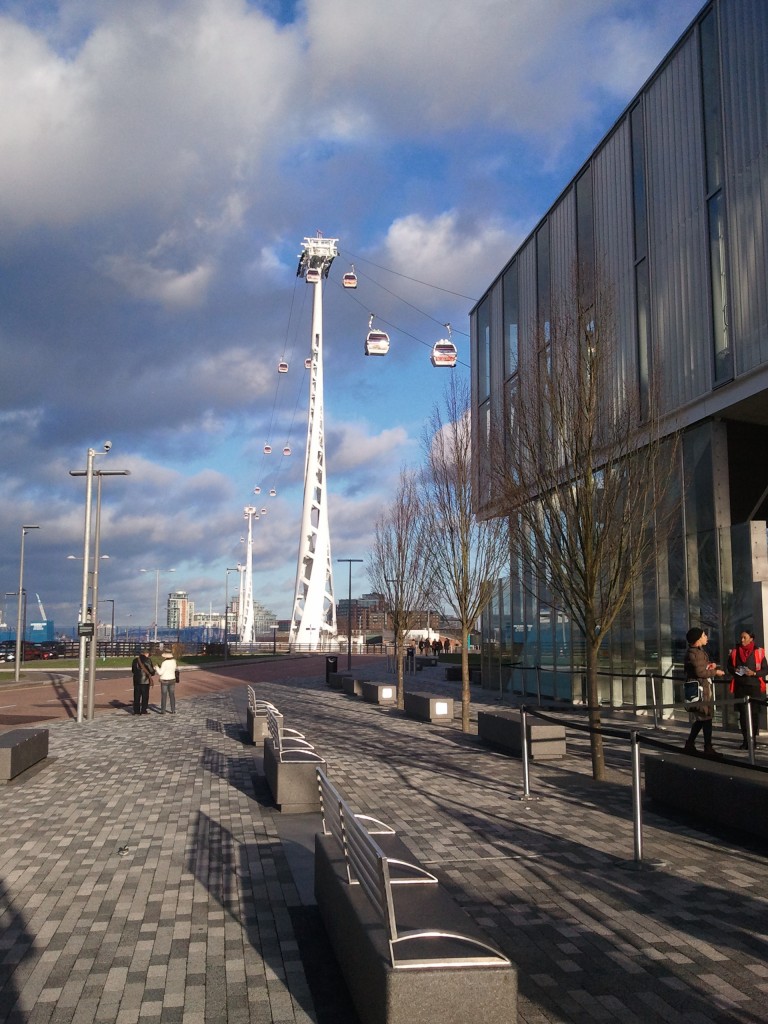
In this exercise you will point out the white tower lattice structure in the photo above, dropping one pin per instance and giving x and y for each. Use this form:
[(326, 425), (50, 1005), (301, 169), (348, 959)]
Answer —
[(246, 587), (314, 608)]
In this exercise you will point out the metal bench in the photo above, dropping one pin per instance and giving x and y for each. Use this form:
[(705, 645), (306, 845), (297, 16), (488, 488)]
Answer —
[(408, 952), (289, 768), (398, 854), (256, 719)]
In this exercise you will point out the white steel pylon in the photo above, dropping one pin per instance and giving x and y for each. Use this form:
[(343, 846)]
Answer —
[(246, 587), (314, 608)]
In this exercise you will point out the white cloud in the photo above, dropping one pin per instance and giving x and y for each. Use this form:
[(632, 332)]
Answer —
[(455, 253)]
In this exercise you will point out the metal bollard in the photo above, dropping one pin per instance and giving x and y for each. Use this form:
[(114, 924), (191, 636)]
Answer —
[(524, 748)]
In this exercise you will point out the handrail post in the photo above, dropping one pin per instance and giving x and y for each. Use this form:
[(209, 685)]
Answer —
[(653, 698), (750, 735), (524, 749), (538, 685), (637, 811)]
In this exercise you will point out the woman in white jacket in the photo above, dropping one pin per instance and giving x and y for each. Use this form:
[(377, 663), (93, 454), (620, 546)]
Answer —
[(167, 672)]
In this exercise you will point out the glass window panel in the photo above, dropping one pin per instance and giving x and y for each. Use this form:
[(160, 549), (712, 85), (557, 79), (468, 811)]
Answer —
[(638, 182), (723, 356), (511, 317), (483, 322)]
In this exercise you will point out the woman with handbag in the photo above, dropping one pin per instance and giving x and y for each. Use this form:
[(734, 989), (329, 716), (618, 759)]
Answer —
[(698, 668)]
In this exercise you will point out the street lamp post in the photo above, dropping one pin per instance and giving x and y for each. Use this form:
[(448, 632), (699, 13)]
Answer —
[(274, 627), (157, 592), (19, 624), (349, 610), (226, 608), (87, 627)]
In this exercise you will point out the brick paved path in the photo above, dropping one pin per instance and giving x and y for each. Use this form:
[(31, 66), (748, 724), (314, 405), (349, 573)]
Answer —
[(143, 879)]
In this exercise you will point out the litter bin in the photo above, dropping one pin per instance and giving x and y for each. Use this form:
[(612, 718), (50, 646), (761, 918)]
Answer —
[(331, 663)]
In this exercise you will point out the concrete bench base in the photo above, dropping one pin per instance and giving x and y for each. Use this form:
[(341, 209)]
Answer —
[(336, 680), (292, 782), (419, 995), (501, 729), (351, 686), (256, 727), (429, 708), (728, 795), (379, 693), (426, 661), (20, 749)]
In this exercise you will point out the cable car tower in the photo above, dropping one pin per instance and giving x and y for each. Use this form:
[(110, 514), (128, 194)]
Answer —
[(314, 608), (246, 630)]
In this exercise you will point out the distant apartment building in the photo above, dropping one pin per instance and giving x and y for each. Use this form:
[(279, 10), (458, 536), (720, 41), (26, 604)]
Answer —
[(180, 610)]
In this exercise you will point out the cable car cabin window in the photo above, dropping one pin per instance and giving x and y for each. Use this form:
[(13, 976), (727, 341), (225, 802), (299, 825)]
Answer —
[(376, 343)]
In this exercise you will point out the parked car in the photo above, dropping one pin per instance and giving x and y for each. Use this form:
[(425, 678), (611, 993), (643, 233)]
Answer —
[(30, 652)]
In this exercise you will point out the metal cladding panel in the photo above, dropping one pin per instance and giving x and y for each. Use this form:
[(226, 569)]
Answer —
[(744, 43), (562, 248), (526, 262), (614, 241), (678, 233)]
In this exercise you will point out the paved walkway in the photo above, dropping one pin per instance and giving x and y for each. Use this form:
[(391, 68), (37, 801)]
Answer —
[(144, 876)]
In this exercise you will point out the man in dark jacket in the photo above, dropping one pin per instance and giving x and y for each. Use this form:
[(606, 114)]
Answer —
[(143, 670)]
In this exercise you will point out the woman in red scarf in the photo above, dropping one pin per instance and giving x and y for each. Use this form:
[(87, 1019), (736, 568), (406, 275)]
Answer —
[(749, 667)]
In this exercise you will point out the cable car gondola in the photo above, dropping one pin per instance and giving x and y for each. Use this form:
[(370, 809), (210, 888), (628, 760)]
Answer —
[(312, 275), (287, 450), (272, 492), (376, 342), (263, 511), (307, 364), (444, 351), (282, 366), (267, 449), (350, 278), (257, 490)]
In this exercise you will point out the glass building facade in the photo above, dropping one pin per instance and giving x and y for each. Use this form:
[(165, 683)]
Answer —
[(670, 215)]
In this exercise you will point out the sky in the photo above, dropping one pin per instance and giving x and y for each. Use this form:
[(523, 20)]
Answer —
[(161, 162)]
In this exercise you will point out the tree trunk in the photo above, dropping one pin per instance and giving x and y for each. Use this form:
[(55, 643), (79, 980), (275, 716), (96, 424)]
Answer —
[(399, 652), (465, 694), (593, 701)]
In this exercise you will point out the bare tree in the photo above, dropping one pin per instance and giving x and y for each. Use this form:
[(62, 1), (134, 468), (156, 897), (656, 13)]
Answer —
[(467, 555), (398, 568), (584, 473)]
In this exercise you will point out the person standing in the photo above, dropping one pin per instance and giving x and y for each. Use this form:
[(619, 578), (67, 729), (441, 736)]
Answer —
[(168, 673), (143, 670), (699, 668), (749, 666)]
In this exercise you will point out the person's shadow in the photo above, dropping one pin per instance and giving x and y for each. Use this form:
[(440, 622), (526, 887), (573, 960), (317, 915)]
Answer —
[(15, 945)]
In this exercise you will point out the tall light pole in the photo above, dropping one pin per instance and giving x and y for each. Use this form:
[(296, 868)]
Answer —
[(90, 628), (157, 592), (349, 610), (226, 607), (19, 639)]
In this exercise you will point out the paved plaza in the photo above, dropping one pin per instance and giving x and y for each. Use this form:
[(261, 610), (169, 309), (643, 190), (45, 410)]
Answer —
[(145, 877)]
